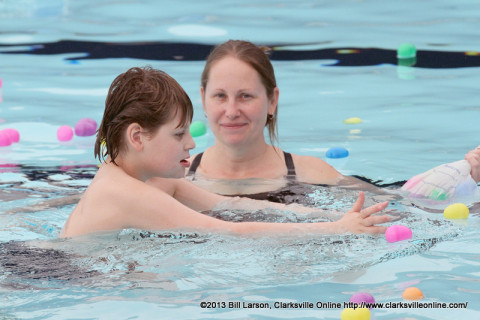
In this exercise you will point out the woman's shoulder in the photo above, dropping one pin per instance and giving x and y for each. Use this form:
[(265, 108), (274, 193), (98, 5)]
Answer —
[(311, 169)]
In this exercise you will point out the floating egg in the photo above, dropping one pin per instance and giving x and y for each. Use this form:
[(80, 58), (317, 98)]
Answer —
[(355, 314), (398, 233), (456, 211), (198, 128), (406, 51), (64, 133), (5, 139), (336, 153), (362, 297), (14, 134), (353, 120), (412, 293), (85, 127)]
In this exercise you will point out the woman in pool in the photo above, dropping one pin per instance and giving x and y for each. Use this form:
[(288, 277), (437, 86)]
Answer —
[(145, 131), (240, 97)]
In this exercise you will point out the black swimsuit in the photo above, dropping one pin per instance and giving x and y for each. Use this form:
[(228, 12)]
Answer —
[(291, 175), (283, 195)]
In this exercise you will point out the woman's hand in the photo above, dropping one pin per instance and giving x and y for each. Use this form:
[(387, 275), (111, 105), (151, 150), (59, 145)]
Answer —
[(473, 157), (361, 221)]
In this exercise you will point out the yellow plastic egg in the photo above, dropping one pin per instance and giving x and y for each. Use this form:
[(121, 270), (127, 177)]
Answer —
[(353, 120), (355, 314), (456, 211)]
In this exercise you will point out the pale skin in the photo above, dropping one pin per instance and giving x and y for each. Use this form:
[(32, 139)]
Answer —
[(119, 198), (236, 104), (473, 157)]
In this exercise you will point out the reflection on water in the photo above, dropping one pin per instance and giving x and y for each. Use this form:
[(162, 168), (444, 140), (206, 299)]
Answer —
[(182, 267), (197, 256)]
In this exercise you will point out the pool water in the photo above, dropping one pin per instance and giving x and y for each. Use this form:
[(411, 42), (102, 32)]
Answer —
[(333, 60)]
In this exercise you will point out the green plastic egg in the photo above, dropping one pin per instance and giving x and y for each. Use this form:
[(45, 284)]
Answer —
[(198, 128)]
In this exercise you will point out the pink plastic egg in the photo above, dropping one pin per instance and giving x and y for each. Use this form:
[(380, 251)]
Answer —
[(5, 139), (65, 133), (85, 127), (398, 233), (14, 134)]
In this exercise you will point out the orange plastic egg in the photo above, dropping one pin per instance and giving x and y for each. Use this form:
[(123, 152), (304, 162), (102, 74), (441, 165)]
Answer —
[(412, 293)]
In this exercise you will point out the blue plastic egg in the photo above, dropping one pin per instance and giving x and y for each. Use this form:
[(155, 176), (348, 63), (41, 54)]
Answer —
[(336, 153)]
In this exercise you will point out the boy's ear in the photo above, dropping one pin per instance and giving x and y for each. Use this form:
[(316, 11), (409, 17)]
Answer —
[(135, 136)]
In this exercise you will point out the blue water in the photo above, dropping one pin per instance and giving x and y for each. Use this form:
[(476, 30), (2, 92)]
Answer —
[(414, 118)]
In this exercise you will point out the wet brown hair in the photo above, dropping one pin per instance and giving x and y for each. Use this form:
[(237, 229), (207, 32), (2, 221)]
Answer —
[(145, 96), (257, 58)]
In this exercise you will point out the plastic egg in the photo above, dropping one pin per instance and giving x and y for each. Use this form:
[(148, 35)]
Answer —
[(361, 297), (336, 153), (85, 127), (198, 128), (14, 134), (398, 233), (406, 51), (355, 314), (412, 293), (456, 211), (64, 133), (5, 139), (353, 120)]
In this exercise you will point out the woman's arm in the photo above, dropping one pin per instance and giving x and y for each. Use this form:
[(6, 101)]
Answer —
[(314, 170)]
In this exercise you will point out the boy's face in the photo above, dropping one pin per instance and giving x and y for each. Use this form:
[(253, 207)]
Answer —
[(166, 151)]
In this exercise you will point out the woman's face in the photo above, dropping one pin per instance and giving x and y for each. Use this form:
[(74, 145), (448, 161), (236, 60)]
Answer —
[(236, 103)]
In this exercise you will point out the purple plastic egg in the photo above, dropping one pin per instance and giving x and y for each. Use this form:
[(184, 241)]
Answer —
[(398, 233), (362, 297), (85, 127)]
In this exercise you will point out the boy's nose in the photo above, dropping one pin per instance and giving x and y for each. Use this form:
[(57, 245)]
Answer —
[(190, 144)]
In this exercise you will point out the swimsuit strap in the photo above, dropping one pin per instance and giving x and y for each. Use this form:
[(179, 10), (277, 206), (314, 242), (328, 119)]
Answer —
[(291, 174), (194, 165)]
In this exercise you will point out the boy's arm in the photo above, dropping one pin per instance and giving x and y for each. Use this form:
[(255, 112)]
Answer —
[(191, 196), (159, 211), (187, 193)]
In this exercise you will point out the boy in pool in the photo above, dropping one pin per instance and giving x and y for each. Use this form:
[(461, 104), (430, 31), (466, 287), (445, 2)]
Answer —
[(145, 131)]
